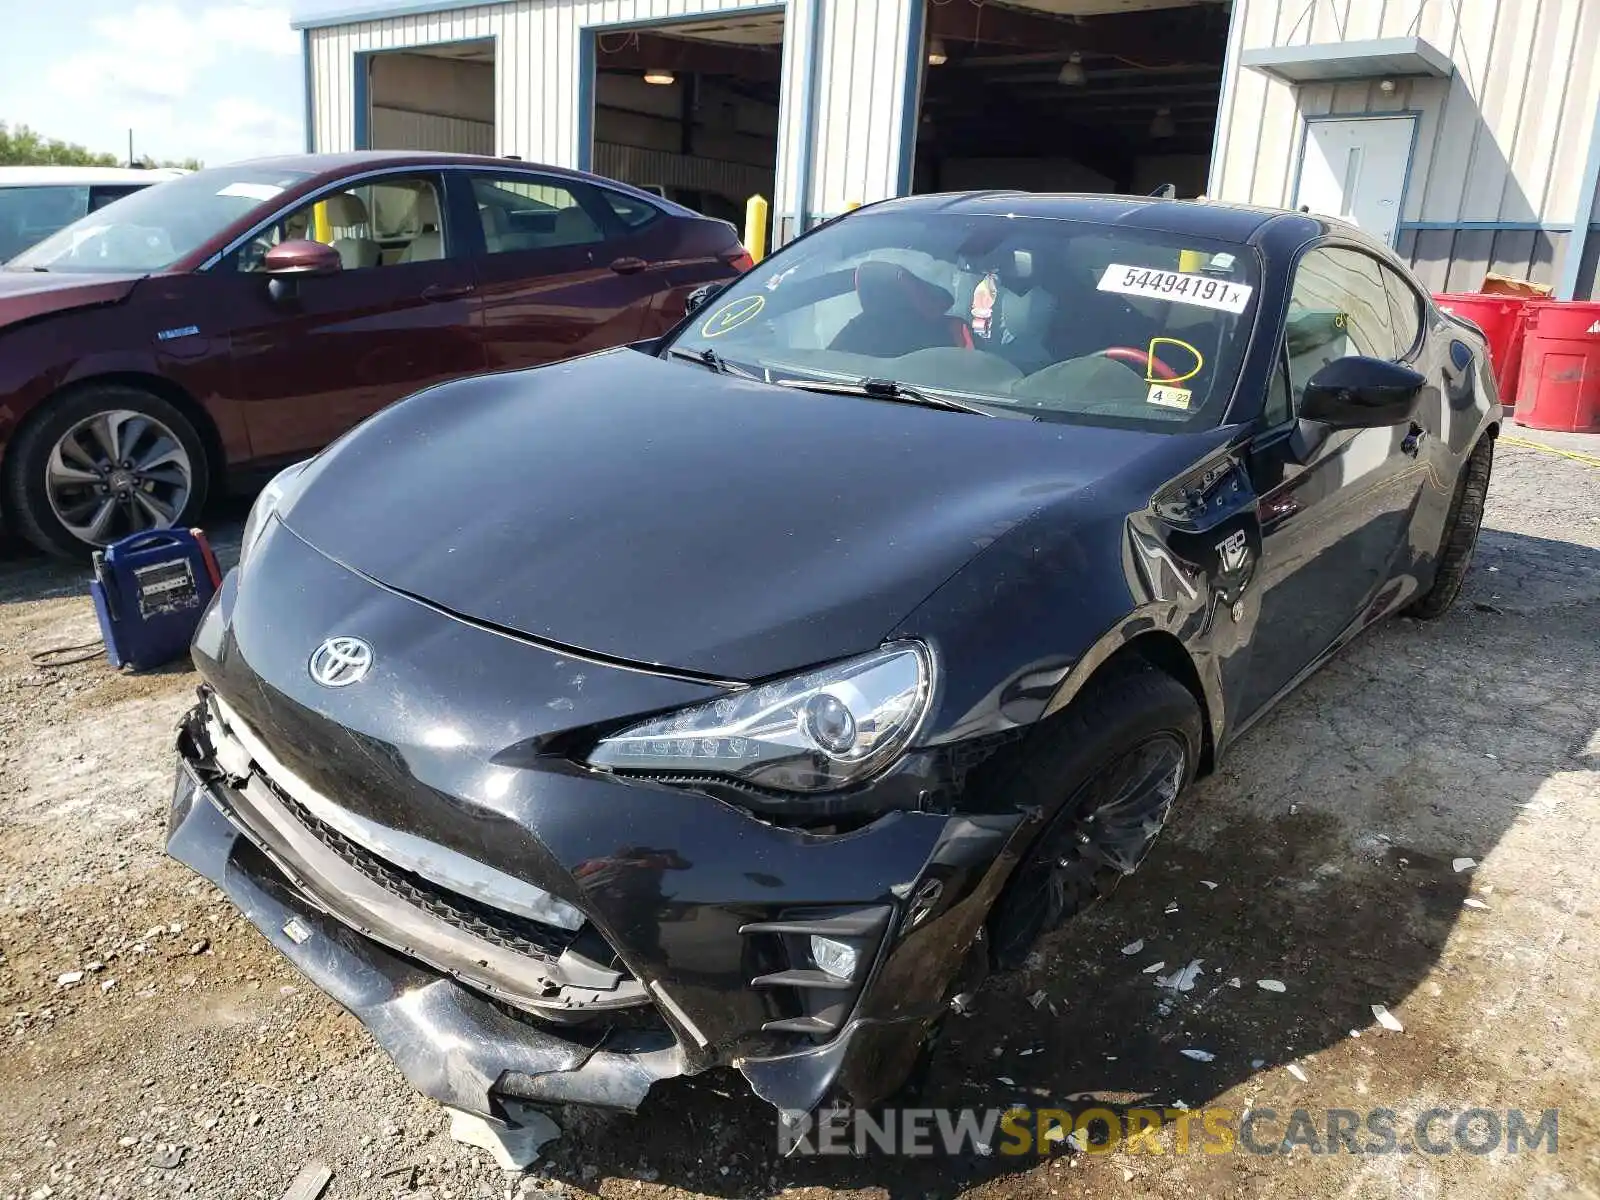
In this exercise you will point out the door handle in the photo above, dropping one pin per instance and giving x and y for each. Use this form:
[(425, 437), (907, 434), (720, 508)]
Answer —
[(436, 292), (629, 265), (1412, 444)]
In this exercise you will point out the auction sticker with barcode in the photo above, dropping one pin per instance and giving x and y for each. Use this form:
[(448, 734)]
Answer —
[(1181, 287)]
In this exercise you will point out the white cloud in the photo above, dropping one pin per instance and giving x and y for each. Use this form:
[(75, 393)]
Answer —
[(174, 75), (165, 31)]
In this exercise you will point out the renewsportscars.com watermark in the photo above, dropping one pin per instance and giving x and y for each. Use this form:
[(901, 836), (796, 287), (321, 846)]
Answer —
[(1041, 1131)]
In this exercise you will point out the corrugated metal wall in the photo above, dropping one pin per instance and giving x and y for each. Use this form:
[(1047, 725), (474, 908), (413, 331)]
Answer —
[(862, 78), (424, 103), (400, 129), (851, 117), (1502, 143), (536, 64), (638, 165), (1456, 260)]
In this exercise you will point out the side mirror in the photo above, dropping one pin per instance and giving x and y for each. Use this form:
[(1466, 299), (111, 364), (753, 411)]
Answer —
[(701, 296), (1362, 393), (301, 257)]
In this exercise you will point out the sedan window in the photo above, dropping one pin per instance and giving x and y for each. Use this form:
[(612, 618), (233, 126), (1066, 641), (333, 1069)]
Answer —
[(527, 212), (382, 223), (28, 214), (631, 211)]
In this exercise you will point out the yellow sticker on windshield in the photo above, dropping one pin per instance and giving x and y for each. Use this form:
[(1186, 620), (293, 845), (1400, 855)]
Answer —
[(731, 316), (1169, 397), (1172, 373)]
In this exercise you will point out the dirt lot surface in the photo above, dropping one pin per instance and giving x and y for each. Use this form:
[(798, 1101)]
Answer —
[(189, 1059)]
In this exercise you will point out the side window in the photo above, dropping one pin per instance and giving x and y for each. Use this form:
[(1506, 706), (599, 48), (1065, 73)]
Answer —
[(1405, 307), (632, 212), (31, 214), (1339, 306), (530, 212), (103, 195), (383, 223), (1280, 405)]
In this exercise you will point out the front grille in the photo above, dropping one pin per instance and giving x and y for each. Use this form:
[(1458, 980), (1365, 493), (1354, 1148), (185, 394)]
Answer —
[(519, 935)]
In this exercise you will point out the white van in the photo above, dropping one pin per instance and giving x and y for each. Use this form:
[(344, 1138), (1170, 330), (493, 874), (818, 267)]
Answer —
[(37, 201)]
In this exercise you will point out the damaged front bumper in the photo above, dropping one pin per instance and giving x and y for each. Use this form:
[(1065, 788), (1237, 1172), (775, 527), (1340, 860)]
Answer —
[(510, 924), (476, 1005), (455, 1045)]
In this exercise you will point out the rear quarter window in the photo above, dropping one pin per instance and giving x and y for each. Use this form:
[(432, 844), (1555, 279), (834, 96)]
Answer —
[(630, 210)]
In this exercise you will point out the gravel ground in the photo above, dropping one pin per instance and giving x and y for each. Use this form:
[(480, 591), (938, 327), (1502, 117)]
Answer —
[(188, 1059)]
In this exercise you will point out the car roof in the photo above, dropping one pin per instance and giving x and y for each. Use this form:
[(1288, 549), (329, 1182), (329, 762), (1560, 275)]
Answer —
[(328, 168), (1202, 218), (345, 162), (67, 176)]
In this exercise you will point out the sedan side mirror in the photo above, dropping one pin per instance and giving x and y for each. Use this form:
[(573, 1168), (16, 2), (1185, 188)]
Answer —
[(298, 256), (1362, 393), (702, 296)]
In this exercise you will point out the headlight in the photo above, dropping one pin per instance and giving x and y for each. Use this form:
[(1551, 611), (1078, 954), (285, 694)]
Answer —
[(826, 729), (279, 488)]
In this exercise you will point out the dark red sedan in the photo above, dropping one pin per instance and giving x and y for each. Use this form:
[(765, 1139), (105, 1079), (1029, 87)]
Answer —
[(249, 314)]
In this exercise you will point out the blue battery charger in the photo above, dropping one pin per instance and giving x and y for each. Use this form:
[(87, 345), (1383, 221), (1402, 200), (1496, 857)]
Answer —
[(149, 591)]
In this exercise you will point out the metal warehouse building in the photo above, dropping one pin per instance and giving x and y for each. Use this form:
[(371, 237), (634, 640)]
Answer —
[(1465, 131)]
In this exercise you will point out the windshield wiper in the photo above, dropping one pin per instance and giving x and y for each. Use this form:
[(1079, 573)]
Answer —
[(884, 389), (707, 357)]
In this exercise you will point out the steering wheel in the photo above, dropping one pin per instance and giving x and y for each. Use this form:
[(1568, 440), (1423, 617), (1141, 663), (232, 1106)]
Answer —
[(1139, 358)]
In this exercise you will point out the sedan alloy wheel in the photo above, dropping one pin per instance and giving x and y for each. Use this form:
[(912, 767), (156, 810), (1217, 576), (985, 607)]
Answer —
[(116, 473)]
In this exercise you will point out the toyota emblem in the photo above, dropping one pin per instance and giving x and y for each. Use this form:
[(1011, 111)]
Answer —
[(341, 661)]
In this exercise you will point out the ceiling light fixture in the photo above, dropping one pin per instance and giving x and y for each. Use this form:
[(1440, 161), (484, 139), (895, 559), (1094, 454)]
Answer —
[(937, 54), (1162, 125), (1072, 72), (660, 76)]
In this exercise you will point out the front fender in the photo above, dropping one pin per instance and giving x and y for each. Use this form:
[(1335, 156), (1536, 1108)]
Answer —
[(1025, 626)]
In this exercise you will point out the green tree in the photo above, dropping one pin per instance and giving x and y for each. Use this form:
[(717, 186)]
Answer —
[(23, 147), (188, 164)]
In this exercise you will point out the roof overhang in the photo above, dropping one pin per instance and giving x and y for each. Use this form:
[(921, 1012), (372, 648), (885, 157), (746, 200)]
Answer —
[(1330, 62)]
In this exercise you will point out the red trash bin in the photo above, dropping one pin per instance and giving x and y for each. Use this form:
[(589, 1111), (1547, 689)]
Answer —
[(1501, 319), (1559, 387)]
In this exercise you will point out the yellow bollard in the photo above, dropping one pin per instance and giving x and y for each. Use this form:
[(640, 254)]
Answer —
[(756, 213), (321, 230), (852, 206)]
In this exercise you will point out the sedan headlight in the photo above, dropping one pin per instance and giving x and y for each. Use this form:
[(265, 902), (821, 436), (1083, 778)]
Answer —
[(279, 489), (815, 732)]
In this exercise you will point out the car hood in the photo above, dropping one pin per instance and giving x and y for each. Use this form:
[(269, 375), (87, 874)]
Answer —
[(25, 295), (657, 513)]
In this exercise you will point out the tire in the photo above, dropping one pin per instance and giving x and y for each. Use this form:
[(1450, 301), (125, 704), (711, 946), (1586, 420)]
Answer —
[(1461, 535), (1136, 726), (59, 474)]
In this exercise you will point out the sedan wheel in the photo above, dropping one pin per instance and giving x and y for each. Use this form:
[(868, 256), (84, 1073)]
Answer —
[(101, 463), (117, 473)]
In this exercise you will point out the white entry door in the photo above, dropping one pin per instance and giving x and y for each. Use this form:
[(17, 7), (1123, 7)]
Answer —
[(1356, 170)]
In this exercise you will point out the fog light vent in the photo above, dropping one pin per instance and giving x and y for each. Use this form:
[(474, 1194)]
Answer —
[(833, 956), (828, 952)]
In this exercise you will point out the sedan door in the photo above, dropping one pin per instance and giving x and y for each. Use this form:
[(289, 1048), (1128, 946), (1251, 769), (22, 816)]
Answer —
[(316, 355), (558, 272), (1336, 507)]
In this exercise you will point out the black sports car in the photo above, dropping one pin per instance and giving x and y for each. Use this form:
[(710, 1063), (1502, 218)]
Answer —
[(738, 698)]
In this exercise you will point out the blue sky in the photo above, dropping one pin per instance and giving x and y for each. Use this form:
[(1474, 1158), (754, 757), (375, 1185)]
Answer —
[(217, 80)]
